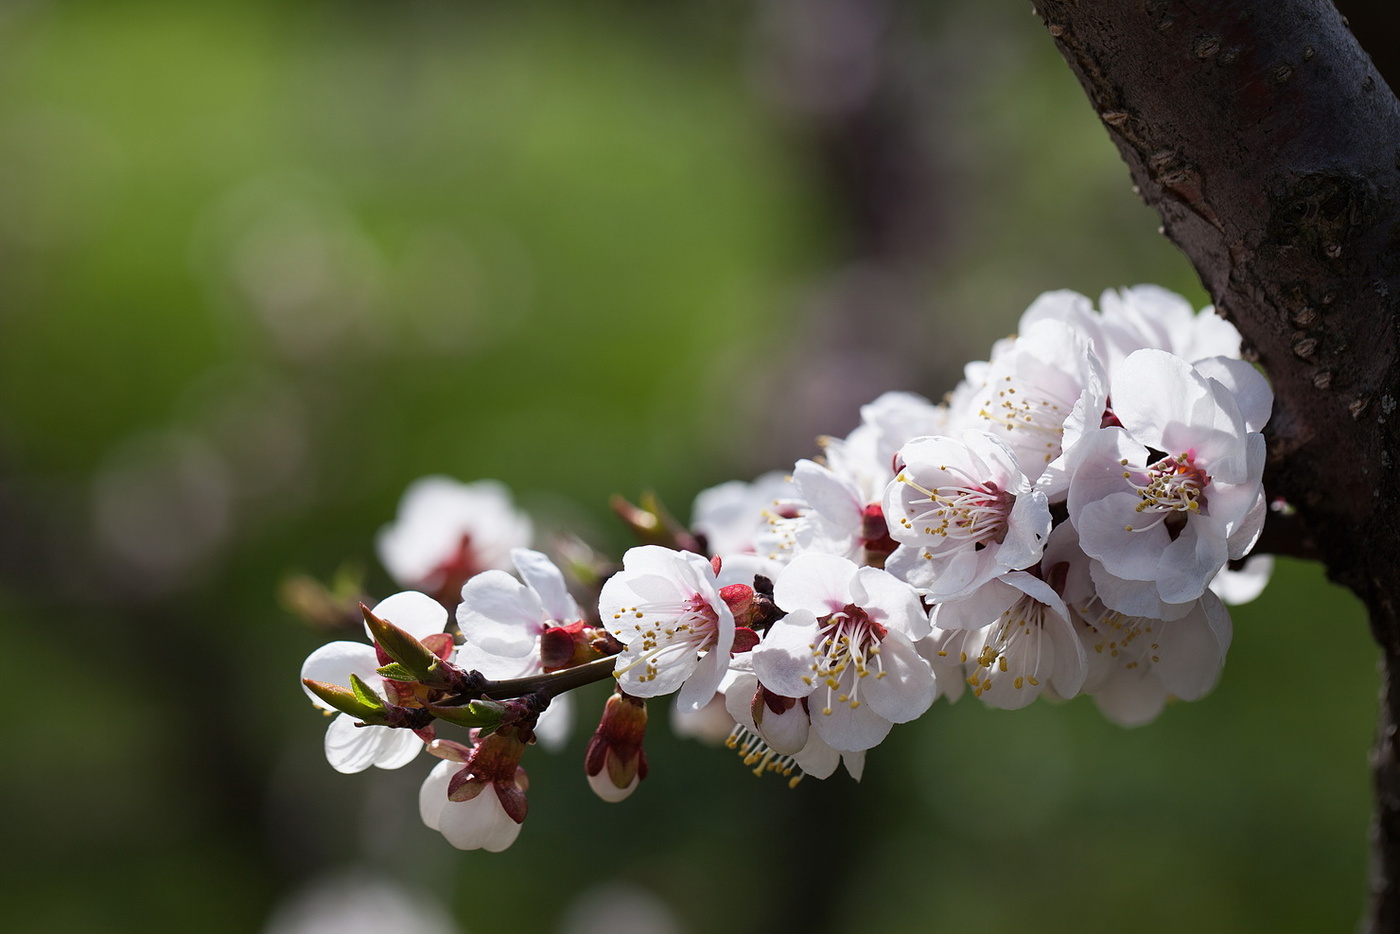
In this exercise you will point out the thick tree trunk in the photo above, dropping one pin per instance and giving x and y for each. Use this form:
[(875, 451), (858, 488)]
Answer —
[(1270, 145)]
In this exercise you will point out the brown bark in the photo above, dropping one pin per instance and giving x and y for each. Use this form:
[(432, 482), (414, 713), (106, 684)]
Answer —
[(1270, 146)]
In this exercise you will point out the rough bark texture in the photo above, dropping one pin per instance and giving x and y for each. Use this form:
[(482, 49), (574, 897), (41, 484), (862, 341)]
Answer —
[(1270, 145)]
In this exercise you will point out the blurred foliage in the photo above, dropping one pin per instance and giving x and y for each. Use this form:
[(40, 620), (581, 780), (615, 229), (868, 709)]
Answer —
[(262, 264)]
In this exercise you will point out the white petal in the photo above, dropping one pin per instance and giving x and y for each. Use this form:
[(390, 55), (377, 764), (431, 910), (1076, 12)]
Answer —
[(416, 613), (547, 581), (351, 748), (904, 687), (1250, 389), (784, 658), (334, 662), (892, 603), (815, 582), (499, 614)]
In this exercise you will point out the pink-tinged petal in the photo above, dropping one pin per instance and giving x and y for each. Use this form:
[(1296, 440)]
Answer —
[(1218, 617), (959, 573), (1133, 598), (1111, 530), (904, 686), (1154, 393), (783, 660), (845, 727), (1131, 698), (1246, 384), (499, 614), (1246, 584), (891, 602), (1188, 656), (1188, 564), (815, 582), (547, 581), (335, 662), (415, 613)]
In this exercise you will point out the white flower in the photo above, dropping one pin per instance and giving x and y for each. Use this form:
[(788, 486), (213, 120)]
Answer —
[(478, 823), (1039, 393), (731, 515), (1019, 641), (963, 513), (447, 531), (846, 644), (504, 616), (1164, 501), (351, 748), (665, 607), (825, 514)]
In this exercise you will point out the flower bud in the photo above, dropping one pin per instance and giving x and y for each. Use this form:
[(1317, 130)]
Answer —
[(615, 762)]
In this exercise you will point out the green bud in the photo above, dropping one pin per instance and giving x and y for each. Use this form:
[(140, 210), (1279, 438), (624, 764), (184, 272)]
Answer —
[(479, 714), (360, 703), (415, 658)]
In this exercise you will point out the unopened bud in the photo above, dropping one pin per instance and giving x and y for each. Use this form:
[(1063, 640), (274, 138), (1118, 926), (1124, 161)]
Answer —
[(615, 762), (360, 703), (401, 646), (478, 714)]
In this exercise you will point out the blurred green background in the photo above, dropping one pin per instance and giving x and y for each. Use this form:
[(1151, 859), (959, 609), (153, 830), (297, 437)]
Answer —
[(262, 264)]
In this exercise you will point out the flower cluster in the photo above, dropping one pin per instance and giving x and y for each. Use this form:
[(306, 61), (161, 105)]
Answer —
[(1065, 522)]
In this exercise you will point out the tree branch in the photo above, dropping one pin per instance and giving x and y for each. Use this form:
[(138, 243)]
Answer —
[(1270, 146)]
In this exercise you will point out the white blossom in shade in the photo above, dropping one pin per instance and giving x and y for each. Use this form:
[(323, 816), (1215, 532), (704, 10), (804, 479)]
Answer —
[(825, 514), (505, 616), (1161, 319), (479, 823), (665, 608), (447, 531), (731, 515), (963, 513), (1136, 663), (1163, 501), (866, 457), (1020, 641), (351, 748), (1245, 584), (1039, 387), (847, 646)]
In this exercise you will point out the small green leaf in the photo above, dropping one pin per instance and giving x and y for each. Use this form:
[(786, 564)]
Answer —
[(396, 672), (364, 694)]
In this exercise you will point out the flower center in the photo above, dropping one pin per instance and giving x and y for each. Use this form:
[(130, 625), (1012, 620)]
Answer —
[(847, 649), (667, 633), (958, 515), (1170, 485)]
